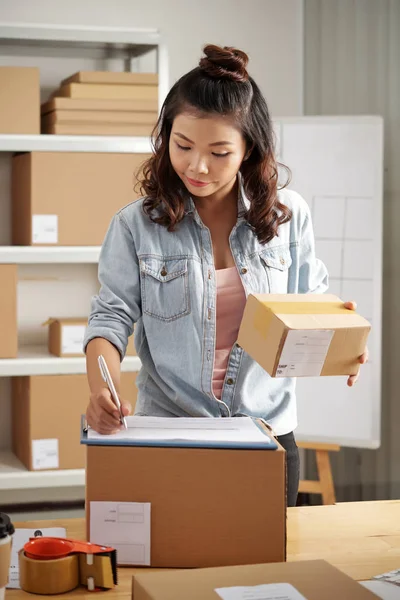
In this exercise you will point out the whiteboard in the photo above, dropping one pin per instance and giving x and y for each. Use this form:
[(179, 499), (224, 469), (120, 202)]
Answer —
[(337, 166)]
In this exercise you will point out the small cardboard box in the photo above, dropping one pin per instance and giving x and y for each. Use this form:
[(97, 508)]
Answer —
[(313, 579), (107, 91), (208, 507), (19, 100), (8, 311), (46, 412), (94, 106), (69, 198), (112, 78), (66, 336), (303, 335)]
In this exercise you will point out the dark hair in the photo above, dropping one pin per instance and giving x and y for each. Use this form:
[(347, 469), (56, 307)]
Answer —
[(219, 85)]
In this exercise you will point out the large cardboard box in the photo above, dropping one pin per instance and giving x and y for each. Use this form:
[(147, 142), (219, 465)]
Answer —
[(208, 507), (313, 579), (66, 337), (8, 311), (303, 335), (46, 414), (69, 198), (19, 100)]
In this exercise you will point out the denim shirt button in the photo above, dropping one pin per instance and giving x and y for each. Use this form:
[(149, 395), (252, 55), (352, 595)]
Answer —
[(230, 381), (243, 270)]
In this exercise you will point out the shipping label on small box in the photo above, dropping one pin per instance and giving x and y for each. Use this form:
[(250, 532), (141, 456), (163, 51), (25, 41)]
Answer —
[(45, 454), (44, 229), (72, 339)]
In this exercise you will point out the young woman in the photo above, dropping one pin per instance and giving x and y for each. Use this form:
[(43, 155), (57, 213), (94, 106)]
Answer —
[(179, 263)]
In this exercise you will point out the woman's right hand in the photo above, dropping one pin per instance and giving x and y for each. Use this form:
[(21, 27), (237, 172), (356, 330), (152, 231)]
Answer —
[(102, 415)]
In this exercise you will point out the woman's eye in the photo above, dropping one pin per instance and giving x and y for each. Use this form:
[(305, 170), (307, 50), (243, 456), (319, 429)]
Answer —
[(183, 147), (221, 155)]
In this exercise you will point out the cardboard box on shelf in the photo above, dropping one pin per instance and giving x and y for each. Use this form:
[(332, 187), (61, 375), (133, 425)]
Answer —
[(208, 507), (107, 91), (46, 413), (303, 335), (95, 105), (98, 129), (8, 311), (69, 198), (66, 335), (105, 117), (19, 100), (112, 77), (304, 580)]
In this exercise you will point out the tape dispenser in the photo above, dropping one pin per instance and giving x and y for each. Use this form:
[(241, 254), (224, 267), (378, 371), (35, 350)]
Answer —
[(49, 565)]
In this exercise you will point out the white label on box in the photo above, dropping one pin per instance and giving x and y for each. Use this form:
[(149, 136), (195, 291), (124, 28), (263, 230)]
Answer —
[(124, 526), (44, 454), (44, 229), (20, 537), (268, 591), (304, 352), (72, 339)]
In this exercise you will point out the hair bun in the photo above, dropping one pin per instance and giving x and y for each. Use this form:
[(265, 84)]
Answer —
[(225, 63)]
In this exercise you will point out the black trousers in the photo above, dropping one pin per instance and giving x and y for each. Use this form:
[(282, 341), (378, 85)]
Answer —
[(288, 442)]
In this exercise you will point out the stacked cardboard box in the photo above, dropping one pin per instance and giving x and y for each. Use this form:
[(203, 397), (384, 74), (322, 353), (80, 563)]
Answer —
[(103, 103), (46, 412), (19, 100)]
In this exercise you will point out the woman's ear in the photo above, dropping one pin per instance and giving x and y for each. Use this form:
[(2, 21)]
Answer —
[(248, 153)]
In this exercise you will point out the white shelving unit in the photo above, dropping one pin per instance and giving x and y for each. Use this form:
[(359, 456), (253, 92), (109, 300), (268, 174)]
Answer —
[(74, 143), (29, 255), (36, 360), (14, 476), (97, 43)]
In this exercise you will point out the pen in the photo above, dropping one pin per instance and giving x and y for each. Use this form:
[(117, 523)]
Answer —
[(105, 373)]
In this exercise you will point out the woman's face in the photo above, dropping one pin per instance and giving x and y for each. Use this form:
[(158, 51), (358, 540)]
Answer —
[(206, 152)]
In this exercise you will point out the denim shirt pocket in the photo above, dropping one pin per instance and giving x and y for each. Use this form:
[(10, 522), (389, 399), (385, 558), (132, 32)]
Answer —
[(165, 289), (277, 262)]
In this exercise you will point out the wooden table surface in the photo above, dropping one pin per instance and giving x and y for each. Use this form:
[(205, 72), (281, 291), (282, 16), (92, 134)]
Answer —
[(362, 539)]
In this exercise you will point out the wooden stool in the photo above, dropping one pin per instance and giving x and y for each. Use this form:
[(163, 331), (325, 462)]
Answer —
[(324, 484)]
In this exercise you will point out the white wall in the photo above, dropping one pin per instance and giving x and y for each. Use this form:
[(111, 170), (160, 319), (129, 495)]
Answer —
[(268, 30)]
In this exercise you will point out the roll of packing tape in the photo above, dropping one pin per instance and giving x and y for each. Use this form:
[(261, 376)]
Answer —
[(48, 576)]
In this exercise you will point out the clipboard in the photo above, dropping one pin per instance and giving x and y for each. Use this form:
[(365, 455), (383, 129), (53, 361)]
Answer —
[(266, 443)]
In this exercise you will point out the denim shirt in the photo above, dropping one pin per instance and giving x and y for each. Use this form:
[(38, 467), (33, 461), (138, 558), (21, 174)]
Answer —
[(164, 285)]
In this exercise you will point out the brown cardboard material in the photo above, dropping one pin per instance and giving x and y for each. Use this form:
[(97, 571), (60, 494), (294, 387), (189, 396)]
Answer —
[(48, 408), (112, 77), (8, 311), (5, 558), (98, 129), (107, 91), (78, 192), (19, 100), (314, 579), (209, 507), (58, 337), (105, 117), (94, 105), (269, 322)]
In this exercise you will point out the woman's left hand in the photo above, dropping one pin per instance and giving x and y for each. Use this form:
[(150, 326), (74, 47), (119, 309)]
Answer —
[(364, 357)]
